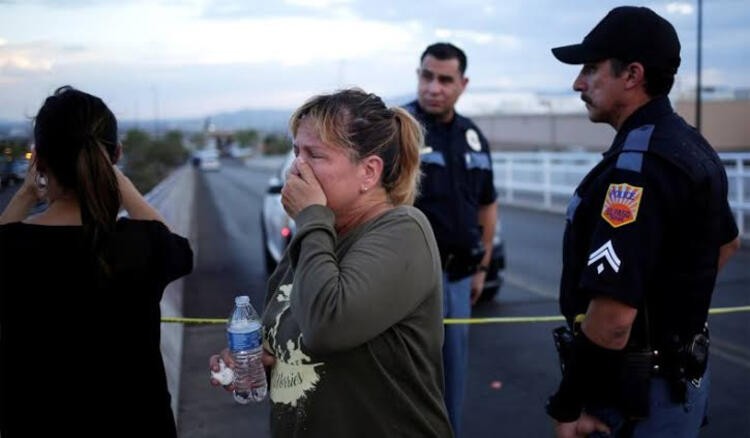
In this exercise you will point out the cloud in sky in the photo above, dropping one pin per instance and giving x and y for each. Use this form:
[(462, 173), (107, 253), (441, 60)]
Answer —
[(197, 57)]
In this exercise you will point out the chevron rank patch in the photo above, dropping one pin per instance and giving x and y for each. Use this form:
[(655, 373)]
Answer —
[(605, 253), (621, 204)]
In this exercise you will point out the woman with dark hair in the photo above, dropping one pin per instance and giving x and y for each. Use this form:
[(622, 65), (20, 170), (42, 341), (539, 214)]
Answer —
[(80, 289), (353, 327)]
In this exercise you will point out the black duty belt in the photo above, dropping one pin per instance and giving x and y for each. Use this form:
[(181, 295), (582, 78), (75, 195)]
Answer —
[(687, 361)]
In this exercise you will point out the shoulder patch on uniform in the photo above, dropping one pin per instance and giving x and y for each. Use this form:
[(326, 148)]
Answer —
[(621, 204), (473, 139)]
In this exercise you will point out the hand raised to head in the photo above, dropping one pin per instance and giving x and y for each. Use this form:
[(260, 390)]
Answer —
[(301, 189)]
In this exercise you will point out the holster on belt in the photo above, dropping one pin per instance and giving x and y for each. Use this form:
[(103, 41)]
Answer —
[(686, 364), (460, 264)]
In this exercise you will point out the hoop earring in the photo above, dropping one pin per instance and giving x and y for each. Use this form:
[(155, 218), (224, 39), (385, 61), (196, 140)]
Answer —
[(41, 181)]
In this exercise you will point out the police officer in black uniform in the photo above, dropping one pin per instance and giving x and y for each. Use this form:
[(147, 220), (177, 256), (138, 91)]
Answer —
[(647, 231), (457, 195)]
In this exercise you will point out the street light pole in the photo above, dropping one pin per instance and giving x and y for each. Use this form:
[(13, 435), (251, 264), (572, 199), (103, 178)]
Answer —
[(552, 125), (699, 69)]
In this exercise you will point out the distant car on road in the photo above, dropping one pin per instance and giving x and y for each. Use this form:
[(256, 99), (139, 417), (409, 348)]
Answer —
[(206, 159), (277, 229)]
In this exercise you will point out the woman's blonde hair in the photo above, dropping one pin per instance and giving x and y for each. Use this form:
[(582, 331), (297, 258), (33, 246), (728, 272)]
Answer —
[(361, 123)]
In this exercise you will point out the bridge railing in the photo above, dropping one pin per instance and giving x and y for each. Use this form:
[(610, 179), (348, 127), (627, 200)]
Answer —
[(546, 180), (173, 197)]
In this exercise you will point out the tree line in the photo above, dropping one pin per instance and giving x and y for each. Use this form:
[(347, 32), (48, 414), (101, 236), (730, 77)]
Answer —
[(148, 159)]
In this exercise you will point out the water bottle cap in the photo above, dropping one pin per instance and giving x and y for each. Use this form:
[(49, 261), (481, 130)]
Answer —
[(242, 299)]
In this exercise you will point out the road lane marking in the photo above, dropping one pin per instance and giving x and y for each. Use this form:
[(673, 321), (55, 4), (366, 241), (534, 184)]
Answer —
[(729, 357), (731, 352), (527, 286)]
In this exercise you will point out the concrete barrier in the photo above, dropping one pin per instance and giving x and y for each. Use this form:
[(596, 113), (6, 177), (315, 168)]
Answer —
[(173, 197)]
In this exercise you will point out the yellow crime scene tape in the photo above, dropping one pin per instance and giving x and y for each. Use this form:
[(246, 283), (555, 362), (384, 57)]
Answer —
[(490, 320)]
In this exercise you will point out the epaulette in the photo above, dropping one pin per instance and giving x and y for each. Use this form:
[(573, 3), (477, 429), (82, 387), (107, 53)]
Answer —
[(670, 144)]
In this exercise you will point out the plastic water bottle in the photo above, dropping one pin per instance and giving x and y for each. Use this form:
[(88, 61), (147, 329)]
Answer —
[(246, 345)]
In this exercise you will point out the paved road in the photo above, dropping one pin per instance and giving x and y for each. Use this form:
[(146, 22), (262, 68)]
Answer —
[(512, 366), (227, 208)]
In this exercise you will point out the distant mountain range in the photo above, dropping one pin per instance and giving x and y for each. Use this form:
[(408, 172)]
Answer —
[(480, 101), (258, 119), (265, 120), (476, 101), (14, 129), (276, 120)]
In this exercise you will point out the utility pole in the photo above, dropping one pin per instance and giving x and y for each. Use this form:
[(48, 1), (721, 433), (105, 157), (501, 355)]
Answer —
[(156, 111), (698, 66), (135, 114)]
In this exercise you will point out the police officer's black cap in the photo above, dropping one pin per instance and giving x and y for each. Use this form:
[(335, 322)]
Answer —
[(630, 34)]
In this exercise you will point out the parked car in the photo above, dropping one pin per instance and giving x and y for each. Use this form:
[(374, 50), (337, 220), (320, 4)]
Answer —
[(277, 229), (276, 226), (14, 171), (5, 172)]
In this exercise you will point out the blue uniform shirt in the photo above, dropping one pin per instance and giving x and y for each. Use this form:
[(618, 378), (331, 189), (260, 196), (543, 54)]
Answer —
[(456, 180), (645, 226)]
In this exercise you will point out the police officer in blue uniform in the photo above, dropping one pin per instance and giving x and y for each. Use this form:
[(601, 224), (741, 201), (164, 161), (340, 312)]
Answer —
[(458, 196), (647, 231)]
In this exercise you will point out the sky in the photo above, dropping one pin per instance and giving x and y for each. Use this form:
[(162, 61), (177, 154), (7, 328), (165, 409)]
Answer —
[(176, 59)]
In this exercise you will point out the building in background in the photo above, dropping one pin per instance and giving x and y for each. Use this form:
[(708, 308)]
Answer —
[(530, 122)]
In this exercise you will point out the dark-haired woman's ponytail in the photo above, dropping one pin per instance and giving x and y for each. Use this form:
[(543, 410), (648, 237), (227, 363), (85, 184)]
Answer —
[(98, 195)]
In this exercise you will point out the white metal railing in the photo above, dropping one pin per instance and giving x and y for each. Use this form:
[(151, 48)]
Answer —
[(546, 180)]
